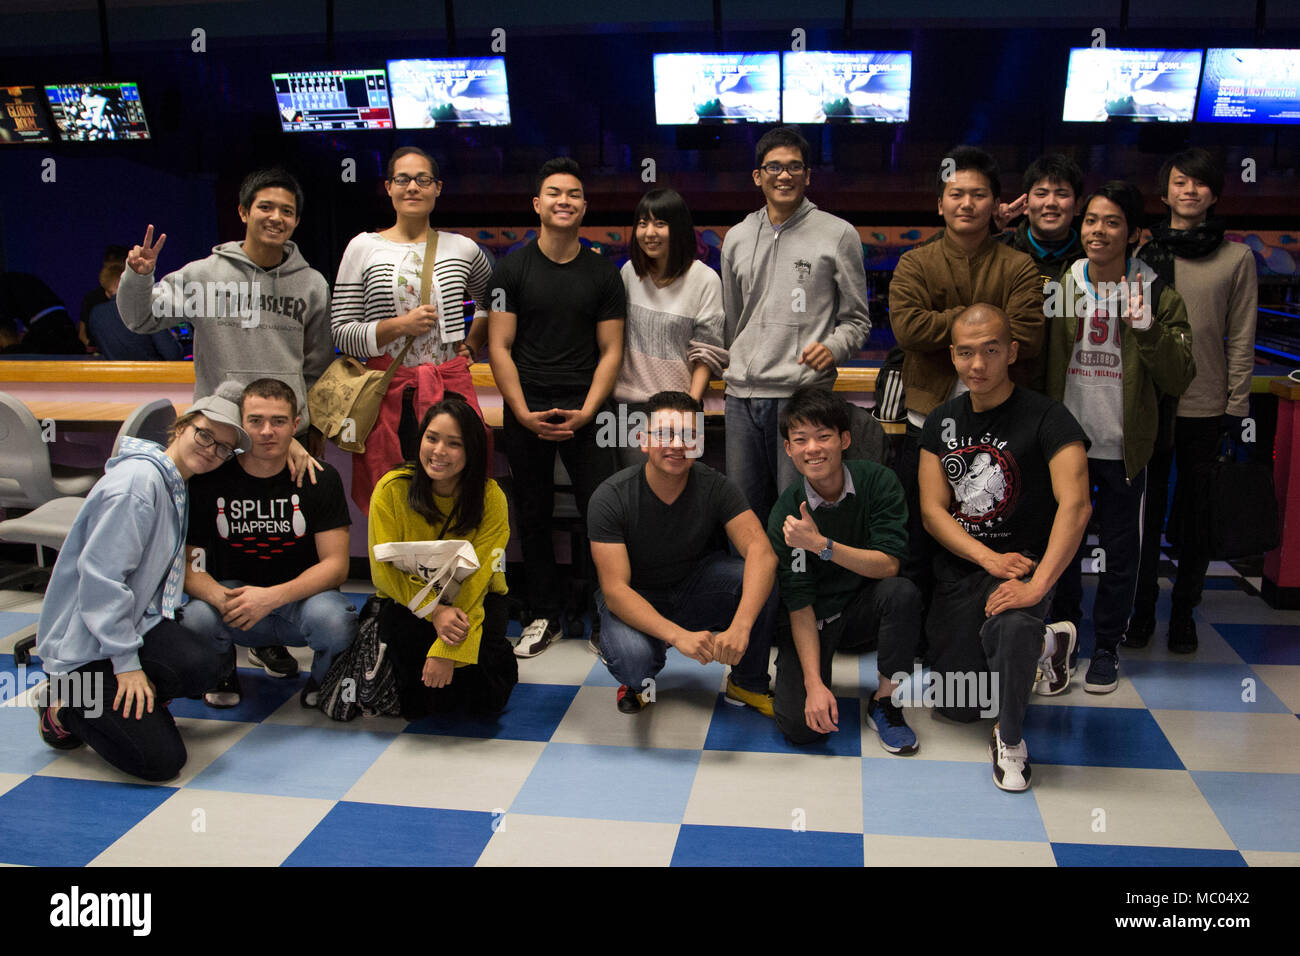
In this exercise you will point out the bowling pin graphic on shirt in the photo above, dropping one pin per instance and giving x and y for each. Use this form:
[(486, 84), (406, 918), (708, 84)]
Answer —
[(299, 522), (223, 526)]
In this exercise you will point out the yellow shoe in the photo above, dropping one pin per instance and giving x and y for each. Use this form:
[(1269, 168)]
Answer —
[(740, 697)]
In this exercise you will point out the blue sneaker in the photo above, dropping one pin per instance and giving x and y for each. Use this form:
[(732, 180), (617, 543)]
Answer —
[(886, 719), (1103, 672)]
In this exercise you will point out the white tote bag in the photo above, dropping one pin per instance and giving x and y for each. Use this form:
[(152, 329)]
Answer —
[(442, 564)]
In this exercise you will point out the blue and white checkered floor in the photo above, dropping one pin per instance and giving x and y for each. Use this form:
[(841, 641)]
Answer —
[(1192, 761)]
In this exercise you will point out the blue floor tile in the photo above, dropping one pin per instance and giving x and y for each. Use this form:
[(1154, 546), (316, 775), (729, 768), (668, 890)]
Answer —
[(1260, 811), (1086, 854), (288, 761), (370, 834), (679, 673), (939, 798), (16, 680), (1263, 643), (750, 846), (533, 713), (55, 821), (609, 783), (1200, 685), (1098, 737), (745, 729), (262, 696), (13, 621), (21, 747)]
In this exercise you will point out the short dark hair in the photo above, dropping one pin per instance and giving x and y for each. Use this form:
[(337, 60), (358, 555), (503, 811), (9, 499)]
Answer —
[(409, 151), (1055, 168), (554, 167), (1197, 163), (467, 512), (973, 158), (667, 205), (115, 253), (814, 406), (274, 178), (271, 388), (1129, 199), (672, 401), (776, 138)]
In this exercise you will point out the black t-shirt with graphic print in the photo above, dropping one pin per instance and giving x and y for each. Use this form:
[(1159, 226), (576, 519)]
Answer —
[(996, 462), (262, 530)]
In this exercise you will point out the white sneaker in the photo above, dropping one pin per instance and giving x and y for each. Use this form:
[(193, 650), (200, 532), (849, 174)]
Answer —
[(1054, 669), (538, 636), (1011, 769)]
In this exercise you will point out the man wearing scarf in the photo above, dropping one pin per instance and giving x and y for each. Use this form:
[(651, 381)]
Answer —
[(1218, 282)]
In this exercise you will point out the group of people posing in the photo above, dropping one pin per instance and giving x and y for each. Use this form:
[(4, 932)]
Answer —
[(1043, 368)]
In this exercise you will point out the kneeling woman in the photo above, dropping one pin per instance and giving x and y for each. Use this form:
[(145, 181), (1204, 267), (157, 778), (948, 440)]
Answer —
[(107, 632), (458, 658)]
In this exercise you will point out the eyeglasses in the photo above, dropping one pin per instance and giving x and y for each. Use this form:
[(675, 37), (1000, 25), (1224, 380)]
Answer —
[(206, 439), (776, 169), (424, 180)]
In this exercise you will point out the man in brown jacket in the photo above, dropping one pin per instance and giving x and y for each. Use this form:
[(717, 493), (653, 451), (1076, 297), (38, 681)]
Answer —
[(932, 285)]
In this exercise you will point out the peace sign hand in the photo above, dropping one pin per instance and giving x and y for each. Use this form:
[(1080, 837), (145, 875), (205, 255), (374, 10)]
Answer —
[(141, 258)]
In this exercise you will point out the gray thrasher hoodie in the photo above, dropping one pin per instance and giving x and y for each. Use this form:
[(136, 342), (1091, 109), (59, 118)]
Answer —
[(785, 289), (249, 322)]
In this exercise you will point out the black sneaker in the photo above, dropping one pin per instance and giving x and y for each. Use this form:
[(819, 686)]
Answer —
[(1140, 628), (1182, 635), (630, 702), (310, 696), (54, 735), (275, 660), (226, 694)]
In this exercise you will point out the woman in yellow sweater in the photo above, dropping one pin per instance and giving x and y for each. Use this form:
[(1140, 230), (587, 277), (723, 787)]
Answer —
[(458, 658)]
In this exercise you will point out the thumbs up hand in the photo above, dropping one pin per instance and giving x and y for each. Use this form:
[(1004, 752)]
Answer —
[(802, 532)]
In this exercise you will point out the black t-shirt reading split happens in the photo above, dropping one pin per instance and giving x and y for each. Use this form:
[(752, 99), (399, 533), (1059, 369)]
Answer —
[(997, 465), (262, 530), (663, 541), (557, 305)]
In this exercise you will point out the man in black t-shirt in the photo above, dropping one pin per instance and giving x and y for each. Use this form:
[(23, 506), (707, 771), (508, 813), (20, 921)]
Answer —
[(267, 557), (555, 341), (1004, 491), (655, 531)]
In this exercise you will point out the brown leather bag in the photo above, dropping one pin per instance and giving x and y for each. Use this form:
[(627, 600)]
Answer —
[(344, 403)]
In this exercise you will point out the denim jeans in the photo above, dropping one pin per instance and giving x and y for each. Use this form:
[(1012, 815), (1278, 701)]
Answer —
[(756, 458), (705, 601), (325, 622)]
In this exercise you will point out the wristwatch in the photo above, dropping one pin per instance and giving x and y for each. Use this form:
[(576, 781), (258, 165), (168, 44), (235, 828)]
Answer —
[(825, 553)]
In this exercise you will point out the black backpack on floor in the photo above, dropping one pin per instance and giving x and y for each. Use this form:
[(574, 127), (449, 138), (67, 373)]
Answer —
[(361, 679)]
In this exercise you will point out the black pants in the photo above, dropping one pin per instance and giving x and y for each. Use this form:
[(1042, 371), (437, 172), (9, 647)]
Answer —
[(1196, 442), (180, 663), (917, 566), (965, 645), (532, 470), (476, 688), (885, 614), (1117, 506)]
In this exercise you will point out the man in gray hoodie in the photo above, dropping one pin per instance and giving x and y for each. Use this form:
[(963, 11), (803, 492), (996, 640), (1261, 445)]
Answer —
[(795, 296), (257, 309)]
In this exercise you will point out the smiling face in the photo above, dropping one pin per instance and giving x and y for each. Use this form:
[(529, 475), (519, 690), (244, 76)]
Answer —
[(785, 190), (817, 451), (652, 237), (191, 455), (270, 425), (675, 439), (561, 203), (271, 219), (1105, 234), (1051, 209), (442, 454), (1187, 197), (967, 204), (413, 199)]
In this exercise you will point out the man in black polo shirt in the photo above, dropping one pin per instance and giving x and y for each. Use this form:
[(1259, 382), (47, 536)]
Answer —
[(555, 341), (267, 557)]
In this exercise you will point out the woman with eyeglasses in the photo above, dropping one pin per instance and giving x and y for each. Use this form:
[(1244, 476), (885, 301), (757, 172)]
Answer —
[(673, 337), (380, 304), (108, 635)]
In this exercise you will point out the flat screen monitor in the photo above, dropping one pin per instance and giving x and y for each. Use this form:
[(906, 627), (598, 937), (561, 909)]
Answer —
[(1105, 83), (866, 86), (462, 92), (693, 88), (22, 116), (1250, 86), (85, 112), (318, 100)]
